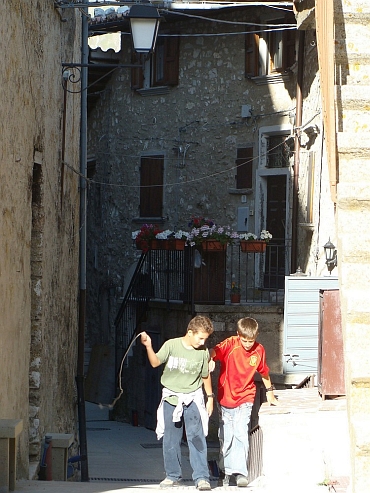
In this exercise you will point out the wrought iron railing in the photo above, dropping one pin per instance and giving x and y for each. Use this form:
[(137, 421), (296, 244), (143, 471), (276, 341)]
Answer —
[(194, 276)]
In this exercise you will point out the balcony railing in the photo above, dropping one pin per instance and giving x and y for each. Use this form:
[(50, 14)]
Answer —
[(193, 276)]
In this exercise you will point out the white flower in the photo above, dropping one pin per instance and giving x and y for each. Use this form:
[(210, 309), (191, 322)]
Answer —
[(247, 236), (181, 235), (164, 235), (134, 234), (265, 235)]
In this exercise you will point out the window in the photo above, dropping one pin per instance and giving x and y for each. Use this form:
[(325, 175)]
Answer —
[(244, 163), (151, 186), (278, 151), (271, 52), (161, 68)]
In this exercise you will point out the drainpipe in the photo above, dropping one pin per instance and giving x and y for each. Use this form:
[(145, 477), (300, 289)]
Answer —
[(297, 148), (82, 299)]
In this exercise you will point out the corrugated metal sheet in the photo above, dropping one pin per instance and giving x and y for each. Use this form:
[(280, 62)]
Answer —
[(301, 322)]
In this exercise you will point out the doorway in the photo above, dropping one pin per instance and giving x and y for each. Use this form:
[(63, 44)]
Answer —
[(276, 224)]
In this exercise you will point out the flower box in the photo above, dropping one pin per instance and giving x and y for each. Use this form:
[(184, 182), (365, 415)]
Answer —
[(213, 246), (146, 245), (256, 246), (175, 244)]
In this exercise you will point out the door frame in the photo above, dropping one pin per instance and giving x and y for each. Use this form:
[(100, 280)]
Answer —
[(262, 174)]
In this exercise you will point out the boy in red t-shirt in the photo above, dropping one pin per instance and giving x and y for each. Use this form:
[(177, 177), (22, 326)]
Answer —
[(240, 357)]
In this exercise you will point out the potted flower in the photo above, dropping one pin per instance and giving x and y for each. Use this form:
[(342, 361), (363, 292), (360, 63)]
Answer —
[(146, 236), (174, 240), (250, 242), (235, 293), (209, 235)]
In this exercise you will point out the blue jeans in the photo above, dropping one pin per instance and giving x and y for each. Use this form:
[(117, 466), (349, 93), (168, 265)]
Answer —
[(233, 434), (196, 442)]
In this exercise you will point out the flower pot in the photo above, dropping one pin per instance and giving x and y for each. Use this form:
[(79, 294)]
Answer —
[(235, 297), (146, 245), (175, 244), (256, 246), (213, 246)]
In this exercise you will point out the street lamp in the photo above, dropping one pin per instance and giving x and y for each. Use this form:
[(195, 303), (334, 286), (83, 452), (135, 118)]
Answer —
[(330, 255), (144, 21)]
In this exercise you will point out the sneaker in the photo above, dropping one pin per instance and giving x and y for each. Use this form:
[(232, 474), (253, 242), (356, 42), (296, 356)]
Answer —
[(203, 485), (226, 480), (168, 483), (241, 481)]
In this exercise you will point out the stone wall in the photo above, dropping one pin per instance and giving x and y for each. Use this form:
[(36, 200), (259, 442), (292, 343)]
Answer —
[(39, 223), (203, 114)]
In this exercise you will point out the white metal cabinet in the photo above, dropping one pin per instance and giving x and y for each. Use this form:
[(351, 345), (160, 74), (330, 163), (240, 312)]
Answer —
[(301, 322)]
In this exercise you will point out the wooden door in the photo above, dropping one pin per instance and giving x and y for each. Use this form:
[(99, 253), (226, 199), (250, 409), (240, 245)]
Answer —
[(276, 225)]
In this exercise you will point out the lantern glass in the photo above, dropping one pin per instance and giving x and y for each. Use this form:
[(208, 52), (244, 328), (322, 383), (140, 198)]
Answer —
[(144, 22), (329, 251)]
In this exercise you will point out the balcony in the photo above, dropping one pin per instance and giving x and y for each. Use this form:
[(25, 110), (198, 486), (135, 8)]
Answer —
[(195, 276)]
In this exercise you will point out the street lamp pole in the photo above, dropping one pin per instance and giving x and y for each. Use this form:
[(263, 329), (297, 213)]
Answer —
[(144, 21)]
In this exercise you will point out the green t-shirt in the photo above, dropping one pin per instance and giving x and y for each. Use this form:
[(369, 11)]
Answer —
[(184, 367)]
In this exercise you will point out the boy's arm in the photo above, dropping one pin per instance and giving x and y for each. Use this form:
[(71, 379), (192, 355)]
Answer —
[(269, 390), (207, 382), (147, 342), (211, 363)]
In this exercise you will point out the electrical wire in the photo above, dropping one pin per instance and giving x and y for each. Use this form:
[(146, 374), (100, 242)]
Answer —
[(164, 185)]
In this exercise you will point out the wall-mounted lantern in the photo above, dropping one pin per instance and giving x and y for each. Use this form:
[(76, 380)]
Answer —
[(330, 255)]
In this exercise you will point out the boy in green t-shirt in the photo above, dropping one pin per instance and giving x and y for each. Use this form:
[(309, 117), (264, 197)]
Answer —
[(185, 372)]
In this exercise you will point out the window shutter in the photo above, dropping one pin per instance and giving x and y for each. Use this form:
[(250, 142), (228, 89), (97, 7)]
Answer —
[(289, 55), (170, 62), (151, 182), (251, 55), (244, 162), (137, 76)]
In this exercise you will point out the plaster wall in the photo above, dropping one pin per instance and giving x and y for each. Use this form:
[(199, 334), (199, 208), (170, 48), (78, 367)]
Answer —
[(38, 223)]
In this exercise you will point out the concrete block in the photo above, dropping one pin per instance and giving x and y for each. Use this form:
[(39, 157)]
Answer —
[(60, 445)]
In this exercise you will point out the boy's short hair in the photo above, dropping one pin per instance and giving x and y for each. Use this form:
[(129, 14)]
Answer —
[(200, 324), (248, 327)]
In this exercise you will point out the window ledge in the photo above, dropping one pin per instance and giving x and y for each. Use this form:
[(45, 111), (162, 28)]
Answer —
[(149, 220), (154, 91), (241, 191), (307, 226), (271, 79)]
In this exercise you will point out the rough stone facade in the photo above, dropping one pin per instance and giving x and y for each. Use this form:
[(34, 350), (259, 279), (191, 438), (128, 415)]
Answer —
[(202, 115), (39, 223)]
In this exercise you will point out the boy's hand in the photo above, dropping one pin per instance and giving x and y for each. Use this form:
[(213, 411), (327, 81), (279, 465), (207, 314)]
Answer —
[(145, 339), (271, 399), (209, 406)]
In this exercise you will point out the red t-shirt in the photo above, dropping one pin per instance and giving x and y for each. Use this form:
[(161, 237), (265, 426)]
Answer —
[(238, 367)]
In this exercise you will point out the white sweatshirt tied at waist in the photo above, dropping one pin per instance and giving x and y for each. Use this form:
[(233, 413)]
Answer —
[(182, 400)]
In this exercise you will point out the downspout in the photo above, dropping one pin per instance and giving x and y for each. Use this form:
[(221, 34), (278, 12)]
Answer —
[(297, 149), (82, 298)]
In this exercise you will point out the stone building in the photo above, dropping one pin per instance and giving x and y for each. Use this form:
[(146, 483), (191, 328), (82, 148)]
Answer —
[(39, 223), (216, 107), (211, 127)]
